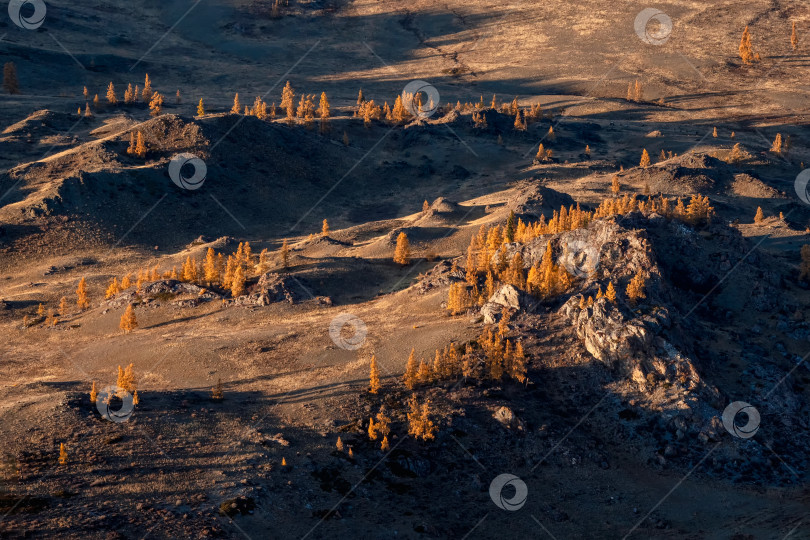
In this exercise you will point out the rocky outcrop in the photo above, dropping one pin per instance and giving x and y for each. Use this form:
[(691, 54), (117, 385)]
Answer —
[(506, 297), (272, 288), (533, 200), (631, 344), (441, 275), (165, 289)]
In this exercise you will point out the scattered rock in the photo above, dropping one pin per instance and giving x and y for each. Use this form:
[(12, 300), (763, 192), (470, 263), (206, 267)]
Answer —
[(241, 505), (507, 418)]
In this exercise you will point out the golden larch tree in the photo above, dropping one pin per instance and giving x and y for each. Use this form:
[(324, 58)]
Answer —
[(645, 159), (230, 270), (324, 111), (428, 427), (411, 369), (126, 378), (541, 153), (264, 261), (759, 217), (140, 146), (402, 252), (247, 258), (635, 289), (325, 228), (146, 94), (736, 154), (112, 289), (518, 364), (288, 101), (211, 268), (424, 374), (514, 273), (776, 147), (81, 295), (610, 293), (419, 424), (399, 112), (285, 254), (238, 283), (746, 49), (374, 376), (128, 321), (379, 428), (458, 299), (794, 38), (699, 212), (237, 107), (200, 108), (111, 97), (189, 271), (156, 104), (63, 455)]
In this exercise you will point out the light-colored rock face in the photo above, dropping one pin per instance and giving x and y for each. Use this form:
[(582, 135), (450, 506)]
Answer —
[(607, 334), (505, 297)]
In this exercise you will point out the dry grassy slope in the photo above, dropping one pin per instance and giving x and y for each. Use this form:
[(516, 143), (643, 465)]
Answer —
[(464, 48)]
